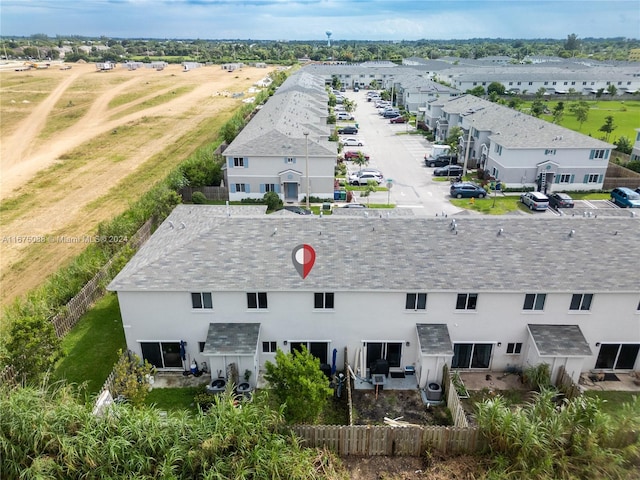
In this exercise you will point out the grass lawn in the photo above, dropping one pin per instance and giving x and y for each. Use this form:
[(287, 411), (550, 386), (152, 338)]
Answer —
[(174, 399), (91, 348), (613, 400), (499, 205), (625, 115)]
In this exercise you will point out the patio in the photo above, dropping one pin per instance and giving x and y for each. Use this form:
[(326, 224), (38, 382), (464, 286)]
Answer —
[(178, 380), (614, 382)]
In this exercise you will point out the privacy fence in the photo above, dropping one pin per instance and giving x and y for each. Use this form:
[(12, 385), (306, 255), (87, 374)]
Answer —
[(619, 176), (67, 318)]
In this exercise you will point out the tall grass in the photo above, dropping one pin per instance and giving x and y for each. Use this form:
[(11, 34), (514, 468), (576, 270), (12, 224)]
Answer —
[(47, 433), (570, 440)]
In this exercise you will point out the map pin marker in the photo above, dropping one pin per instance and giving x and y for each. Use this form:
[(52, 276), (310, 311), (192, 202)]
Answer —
[(303, 257)]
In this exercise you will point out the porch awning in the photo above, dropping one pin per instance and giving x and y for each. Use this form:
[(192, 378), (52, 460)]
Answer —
[(434, 339), (559, 341), (232, 339)]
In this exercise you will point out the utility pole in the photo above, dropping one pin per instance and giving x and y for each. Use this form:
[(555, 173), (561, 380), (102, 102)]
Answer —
[(306, 155)]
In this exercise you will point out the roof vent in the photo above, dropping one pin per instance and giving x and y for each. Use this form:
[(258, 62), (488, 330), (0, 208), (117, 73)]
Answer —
[(170, 224), (182, 225), (501, 231), (572, 233)]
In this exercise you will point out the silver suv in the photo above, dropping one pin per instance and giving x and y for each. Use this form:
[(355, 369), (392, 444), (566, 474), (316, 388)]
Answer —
[(535, 200)]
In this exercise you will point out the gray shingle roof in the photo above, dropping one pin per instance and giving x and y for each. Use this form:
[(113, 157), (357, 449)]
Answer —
[(434, 339), (513, 129), (213, 252), (560, 340), (232, 339)]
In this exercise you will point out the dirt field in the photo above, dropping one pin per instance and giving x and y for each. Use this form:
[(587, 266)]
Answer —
[(79, 145)]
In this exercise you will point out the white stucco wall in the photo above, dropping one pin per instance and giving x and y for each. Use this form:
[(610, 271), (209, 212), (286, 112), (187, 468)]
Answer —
[(360, 317)]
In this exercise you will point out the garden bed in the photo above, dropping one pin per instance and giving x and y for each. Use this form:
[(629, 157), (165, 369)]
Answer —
[(406, 405)]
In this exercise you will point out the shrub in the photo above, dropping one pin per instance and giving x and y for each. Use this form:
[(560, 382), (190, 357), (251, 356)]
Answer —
[(198, 198), (272, 199)]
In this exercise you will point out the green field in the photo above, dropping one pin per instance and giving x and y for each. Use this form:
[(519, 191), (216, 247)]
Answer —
[(626, 117)]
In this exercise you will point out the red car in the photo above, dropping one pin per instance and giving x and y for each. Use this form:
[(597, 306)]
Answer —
[(350, 155), (398, 119)]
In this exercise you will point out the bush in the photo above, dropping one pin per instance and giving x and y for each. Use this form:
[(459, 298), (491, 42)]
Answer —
[(198, 198), (272, 200)]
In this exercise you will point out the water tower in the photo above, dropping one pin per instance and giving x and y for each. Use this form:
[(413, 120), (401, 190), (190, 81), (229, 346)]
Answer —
[(328, 32)]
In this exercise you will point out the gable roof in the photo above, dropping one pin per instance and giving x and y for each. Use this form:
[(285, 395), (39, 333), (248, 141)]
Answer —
[(200, 248)]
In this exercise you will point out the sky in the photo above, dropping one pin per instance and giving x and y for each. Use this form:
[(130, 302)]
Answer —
[(311, 19)]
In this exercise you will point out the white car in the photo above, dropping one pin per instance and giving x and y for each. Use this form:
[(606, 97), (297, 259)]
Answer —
[(352, 142), (364, 178), (344, 116)]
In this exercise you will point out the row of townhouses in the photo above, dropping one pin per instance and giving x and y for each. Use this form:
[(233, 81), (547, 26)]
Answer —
[(286, 147), (507, 293)]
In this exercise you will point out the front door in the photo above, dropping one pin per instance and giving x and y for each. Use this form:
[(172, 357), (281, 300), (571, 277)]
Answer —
[(291, 192)]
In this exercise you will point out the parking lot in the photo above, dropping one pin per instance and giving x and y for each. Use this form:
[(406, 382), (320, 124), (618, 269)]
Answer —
[(401, 159)]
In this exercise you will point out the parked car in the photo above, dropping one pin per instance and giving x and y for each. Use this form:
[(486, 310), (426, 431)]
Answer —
[(352, 142), (625, 197), (390, 113), (535, 200), (560, 200), (364, 179), (350, 155), (398, 119), (448, 171), (638, 190), (348, 130), (467, 190), (441, 161), (298, 210), (370, 170), (356, 89), (344, 116), (354, 205)]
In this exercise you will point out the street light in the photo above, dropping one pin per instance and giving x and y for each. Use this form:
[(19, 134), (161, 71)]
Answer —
[(306, 155)]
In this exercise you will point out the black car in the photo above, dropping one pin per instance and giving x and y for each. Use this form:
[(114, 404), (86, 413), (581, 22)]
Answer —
[(298, 210), (441, 161), (448, 171), (348, 130), (560, 200)]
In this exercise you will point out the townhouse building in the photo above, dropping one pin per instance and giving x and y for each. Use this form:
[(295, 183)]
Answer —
[(234, 286)]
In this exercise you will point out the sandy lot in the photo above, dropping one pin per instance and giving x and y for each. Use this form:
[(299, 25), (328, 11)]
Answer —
[(79, 145)]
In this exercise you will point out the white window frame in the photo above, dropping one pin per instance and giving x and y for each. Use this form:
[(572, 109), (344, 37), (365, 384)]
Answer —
[(583, 297), (324, 300), (564, 178), (203, 297), (257, 296), (593, 178), (241, 187), (514, 348), (419, 301), (467, 302), (269, 347), (238, 162), (537, 299)]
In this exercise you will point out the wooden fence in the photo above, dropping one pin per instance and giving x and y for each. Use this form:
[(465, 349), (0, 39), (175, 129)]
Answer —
[(453, 401), (65, 320), (211, 193), (374, 440), (619, 176), (566, 384)]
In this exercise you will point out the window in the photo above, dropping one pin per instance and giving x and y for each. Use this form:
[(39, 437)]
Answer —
[(201, 346), (290, 160), (240, 187), (591, 178), (573, 83), (389, 351), (530, 83), (546, 83), (499, 149), (162, 354), (238, 162), (323, 300), (416, 301), (495, 173), (566, 83), (553, 83), (471, 355), (550, 152), (519, 83), (618, 356), (581, 301), (269, 187), (514, 348), (564, 178), (534, 301), (201, 300), (269, 347), (597, 154), (257, 300), (467, 301)]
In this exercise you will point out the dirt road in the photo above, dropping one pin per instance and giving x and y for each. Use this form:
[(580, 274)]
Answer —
[(59, 182)]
